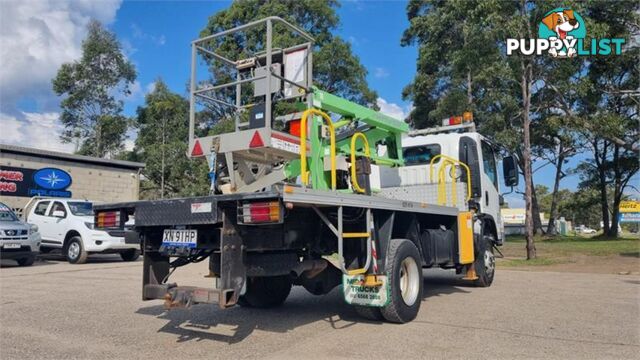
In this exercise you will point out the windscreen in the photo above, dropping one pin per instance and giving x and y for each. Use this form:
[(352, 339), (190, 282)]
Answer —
[(6, 214), (81, 208)]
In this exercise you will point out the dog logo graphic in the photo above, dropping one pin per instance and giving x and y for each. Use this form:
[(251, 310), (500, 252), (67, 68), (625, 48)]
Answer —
[(563, 25)]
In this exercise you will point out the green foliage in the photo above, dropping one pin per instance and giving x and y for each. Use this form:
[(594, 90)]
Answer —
[(91, 114), (162, 145)]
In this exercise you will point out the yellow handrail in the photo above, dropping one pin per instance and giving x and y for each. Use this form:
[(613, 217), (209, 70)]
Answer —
[(448, 161), (303, 146), (354, 179)]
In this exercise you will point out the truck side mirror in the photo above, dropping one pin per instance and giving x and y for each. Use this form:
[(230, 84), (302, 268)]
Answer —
[(510, 171)]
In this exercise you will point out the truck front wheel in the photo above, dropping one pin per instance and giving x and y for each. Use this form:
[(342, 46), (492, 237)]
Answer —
[(405, 279), (75, 252), (485, 263), (266, 292)]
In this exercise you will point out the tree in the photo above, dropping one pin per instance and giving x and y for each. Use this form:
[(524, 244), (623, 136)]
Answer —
[(460, 51), (609, 108), (162, 145), (91, 113), (336, 69)]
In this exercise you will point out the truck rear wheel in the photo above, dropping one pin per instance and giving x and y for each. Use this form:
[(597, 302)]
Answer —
[(75, 252), (405, 279), (266, 292)]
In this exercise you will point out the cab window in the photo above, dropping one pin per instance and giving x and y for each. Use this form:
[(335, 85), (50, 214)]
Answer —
[(41, 208), (420, 155), (489, 163), (57, 206)]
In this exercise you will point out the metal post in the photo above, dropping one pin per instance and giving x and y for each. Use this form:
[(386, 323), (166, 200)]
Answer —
[(268, 93), (238, 92), (192, 98)]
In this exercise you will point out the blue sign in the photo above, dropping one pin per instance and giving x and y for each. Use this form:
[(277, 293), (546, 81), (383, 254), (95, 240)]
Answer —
[(51, 182), (629, 217)]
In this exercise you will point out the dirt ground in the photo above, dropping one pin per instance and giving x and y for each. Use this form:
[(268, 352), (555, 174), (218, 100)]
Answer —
[(57, 310)]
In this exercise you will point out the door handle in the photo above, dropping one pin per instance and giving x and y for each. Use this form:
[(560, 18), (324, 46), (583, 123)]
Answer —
[(486, 198)]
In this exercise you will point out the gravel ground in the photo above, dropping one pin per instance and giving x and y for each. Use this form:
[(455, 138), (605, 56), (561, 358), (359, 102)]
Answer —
[(57, 310)]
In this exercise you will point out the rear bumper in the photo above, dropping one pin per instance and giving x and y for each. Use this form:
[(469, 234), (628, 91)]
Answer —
[(101, 241)]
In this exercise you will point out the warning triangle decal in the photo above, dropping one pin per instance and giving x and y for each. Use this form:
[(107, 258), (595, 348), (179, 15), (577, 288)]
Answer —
[(197, 149), (256, 141)]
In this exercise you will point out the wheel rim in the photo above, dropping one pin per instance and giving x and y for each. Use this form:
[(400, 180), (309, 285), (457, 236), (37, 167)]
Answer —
[(489, 262), (74, 250), (409, 281)]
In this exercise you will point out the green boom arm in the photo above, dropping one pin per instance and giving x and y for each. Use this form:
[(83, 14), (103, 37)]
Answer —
[(383, 128)]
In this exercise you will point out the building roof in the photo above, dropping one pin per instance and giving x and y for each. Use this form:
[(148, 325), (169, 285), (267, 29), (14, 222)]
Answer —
[(21, 150)]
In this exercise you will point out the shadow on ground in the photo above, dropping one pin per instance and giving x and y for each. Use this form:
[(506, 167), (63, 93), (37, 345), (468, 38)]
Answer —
[(208, 322), (631, 254), (54, 257)]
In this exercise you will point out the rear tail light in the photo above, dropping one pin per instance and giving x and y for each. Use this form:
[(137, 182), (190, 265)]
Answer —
[(108, 219), (260, 212)]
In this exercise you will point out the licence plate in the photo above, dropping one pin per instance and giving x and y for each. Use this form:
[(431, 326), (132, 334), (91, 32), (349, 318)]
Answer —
[(11, 246), (180, 238)]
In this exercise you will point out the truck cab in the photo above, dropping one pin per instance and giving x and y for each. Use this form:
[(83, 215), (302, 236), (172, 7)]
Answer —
[(68, 225), (424, 152)]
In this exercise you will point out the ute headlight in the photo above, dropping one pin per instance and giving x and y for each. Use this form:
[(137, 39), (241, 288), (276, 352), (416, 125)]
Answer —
[(89, 225), (34, 229)]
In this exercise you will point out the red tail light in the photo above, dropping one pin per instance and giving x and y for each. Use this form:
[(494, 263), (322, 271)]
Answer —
[(108, 219), (260, 212)]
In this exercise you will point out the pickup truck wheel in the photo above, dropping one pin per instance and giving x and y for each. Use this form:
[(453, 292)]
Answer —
[(130, 255), (405, 280), (45, 250), (266, 292), (27, 261), (485, 263), (75, 251)]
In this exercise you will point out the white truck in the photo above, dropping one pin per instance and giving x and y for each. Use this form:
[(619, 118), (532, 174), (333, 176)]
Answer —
[(331, 194), (67, 224)]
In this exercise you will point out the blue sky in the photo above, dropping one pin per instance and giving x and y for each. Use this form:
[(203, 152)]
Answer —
[(156, 36)]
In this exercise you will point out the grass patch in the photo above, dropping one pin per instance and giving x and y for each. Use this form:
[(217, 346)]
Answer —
[(562, 246), (566, 249)]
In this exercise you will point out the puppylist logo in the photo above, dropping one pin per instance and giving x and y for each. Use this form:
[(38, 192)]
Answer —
[(562, 33)]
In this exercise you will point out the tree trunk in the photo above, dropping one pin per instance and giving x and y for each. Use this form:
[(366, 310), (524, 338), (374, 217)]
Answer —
[(600, 159), (537, 222), (525, 84), (551, 227), (469, 90), (617, 193)]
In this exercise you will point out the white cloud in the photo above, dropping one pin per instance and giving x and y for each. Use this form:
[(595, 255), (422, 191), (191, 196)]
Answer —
[(36, 37), (37, 130), (381, 72), (393, 109), (150, 87), (141, 35)]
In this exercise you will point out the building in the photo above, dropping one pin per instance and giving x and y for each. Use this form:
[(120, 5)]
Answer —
[(27, 172), (513, 220)]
